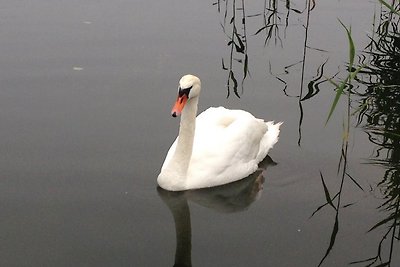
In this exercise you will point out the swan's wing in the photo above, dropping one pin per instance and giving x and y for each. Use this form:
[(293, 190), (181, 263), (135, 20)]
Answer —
[(226, 146), (269, 140), (207, 123)]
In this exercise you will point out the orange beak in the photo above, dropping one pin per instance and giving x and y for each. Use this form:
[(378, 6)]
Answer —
[(179, 105)]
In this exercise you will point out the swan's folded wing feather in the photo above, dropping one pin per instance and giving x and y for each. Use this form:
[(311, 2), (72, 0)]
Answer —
[(225, 147)]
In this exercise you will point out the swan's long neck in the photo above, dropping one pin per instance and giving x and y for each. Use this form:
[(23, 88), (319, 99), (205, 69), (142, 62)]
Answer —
[(184, 146), (174, 176)]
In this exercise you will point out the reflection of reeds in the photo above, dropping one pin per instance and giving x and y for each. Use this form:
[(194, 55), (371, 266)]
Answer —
[(380, 109), (382, 123)]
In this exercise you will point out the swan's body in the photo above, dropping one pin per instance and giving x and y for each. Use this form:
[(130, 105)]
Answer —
[(220, 146)]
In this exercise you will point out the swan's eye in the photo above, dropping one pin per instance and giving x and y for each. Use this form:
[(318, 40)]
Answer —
[(185, 91)]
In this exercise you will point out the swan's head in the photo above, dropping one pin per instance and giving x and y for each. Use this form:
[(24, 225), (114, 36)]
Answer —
[(189, 87)]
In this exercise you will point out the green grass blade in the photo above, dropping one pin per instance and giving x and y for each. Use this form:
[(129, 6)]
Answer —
[(339, 91), (354, 73), (342, 85), (390, 7), (352, 50)]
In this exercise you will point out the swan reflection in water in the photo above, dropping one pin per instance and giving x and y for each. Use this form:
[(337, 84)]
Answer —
[(234, 197)]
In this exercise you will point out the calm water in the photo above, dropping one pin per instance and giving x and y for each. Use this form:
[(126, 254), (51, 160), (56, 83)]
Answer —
[(86, 91)]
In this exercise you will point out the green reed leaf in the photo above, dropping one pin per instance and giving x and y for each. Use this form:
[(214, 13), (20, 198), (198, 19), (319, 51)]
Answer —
[(390, 7), (339, 91), (340, 87), (352, 50)]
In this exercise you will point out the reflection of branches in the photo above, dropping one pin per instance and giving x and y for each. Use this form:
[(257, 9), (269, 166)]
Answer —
[(234, 26), (237, 43), (234, 14), (271, 21), (271, 29), (303, 70)]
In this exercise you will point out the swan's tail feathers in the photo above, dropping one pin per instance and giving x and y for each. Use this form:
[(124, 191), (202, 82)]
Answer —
[(269, 139)]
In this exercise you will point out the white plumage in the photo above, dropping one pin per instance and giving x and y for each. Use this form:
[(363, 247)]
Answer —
[(220, 146)]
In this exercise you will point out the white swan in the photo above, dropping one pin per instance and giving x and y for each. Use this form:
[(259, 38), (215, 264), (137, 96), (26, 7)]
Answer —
[(219, 147)]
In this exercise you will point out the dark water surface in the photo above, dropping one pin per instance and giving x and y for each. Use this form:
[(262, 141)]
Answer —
[(85, 94)]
